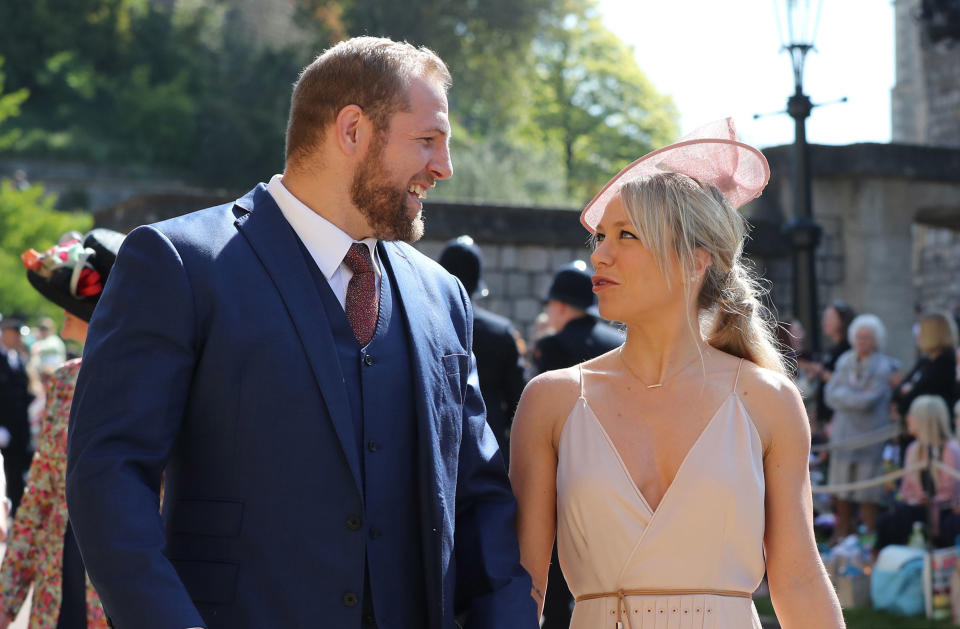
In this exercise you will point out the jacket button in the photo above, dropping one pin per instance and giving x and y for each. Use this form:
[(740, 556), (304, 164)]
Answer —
[(354, 523), (372, 446), (350, 599), (368, 360)]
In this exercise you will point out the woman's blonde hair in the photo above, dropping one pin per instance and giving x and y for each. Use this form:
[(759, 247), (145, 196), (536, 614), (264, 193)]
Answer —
[(674, 216), (931, 420), (937, 332)]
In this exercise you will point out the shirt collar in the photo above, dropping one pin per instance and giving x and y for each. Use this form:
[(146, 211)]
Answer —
[(327, 243)]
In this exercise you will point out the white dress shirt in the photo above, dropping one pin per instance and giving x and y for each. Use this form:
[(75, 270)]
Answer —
[(327, 243)]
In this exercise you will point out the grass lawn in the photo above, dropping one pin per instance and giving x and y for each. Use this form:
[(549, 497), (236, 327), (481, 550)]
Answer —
[(865, 618)]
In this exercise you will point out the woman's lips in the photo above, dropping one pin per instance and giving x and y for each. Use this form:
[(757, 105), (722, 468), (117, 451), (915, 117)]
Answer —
[(600, 283)]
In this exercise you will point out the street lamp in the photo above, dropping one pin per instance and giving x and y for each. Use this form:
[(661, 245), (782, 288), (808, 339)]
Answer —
[(797, 22)]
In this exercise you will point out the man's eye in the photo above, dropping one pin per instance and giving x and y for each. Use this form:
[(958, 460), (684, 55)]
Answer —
[(428, 140)]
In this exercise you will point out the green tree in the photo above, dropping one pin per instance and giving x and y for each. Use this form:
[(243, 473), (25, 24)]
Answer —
[(591, 101), (28, 219), (9, 108), (485, 43)]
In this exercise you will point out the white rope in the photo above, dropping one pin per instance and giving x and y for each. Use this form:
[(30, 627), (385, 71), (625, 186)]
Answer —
[(946, 469), (869, 482), (866, 439)]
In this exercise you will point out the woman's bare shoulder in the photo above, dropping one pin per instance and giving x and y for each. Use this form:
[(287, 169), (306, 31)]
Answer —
[(774, 404), (552, 390), (547, 401)]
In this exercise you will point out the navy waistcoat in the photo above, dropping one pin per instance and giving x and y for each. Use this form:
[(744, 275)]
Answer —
[(379, 388)]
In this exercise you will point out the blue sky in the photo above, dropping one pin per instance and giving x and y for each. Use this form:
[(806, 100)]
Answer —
[(721, 58)]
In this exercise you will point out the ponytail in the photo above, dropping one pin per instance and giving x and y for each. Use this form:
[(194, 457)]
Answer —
[(737, 323)]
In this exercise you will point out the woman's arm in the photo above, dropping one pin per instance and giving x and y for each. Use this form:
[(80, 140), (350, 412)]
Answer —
[(800, 589), (533, 474)]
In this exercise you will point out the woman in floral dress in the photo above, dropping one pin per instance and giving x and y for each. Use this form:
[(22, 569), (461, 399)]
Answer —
[(41, 551)]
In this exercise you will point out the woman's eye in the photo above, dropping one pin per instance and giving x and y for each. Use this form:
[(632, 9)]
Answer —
[(598, 238), (625, 234)]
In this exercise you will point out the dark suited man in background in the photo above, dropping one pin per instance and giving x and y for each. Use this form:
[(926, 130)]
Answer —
[(495, 342), (571, 308), (303, 380), (15, 398)]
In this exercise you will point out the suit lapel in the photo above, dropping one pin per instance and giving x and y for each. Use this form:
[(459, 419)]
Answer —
[(419, 308), (275, 244)]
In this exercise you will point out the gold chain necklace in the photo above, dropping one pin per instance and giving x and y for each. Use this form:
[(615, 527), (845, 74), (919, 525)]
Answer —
[(658, 385)]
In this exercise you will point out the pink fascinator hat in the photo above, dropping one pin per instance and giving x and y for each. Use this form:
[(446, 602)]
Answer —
[(711, 153)]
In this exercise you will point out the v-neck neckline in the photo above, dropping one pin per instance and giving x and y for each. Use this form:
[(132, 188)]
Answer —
[(683, 463)]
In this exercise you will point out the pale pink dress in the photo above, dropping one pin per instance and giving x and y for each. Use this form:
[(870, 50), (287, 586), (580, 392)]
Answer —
[(706, 535)]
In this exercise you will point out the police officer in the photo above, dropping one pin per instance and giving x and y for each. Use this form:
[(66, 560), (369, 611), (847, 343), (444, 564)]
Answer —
[(571, 309), (495, 341)]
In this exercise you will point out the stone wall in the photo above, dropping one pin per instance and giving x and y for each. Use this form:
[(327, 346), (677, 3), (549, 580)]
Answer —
[(942, 73), (92, 187), (925, 101), (936, 265), (517, 275), (872, 200)]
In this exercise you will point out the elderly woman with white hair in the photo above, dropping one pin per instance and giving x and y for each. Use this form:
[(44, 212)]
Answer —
[(859, 394)]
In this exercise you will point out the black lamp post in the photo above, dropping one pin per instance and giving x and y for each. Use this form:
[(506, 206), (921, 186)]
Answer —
[(797, 23)]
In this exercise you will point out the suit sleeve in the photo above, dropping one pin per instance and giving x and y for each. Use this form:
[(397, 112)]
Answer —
[(492, 588), (127, 411), (513, 378)]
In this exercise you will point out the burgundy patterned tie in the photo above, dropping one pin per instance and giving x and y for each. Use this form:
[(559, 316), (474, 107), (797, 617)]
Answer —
[(361, 303)]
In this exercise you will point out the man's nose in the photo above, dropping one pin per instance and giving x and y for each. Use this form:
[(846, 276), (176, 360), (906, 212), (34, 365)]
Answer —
[(441, 166)]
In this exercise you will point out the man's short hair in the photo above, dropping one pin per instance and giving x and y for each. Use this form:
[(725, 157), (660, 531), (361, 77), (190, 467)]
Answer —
[(370, 72)]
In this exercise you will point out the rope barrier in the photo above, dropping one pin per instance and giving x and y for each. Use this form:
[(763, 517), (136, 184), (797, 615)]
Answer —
[(866, 439), (870, 482), (946, 469)]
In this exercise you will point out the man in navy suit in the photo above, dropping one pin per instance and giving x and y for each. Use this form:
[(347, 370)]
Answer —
[(303, 382)]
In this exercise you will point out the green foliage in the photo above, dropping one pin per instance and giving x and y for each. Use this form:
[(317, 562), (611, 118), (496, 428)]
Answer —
[(547, 102), (28, 220), (592, 103), (127, 81), (9, 108), (497, 169)]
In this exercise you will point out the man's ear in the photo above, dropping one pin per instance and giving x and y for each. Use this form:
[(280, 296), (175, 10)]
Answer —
[(351, 129)]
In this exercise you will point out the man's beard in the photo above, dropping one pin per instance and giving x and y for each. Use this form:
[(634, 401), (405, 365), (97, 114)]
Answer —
[(382, 203)]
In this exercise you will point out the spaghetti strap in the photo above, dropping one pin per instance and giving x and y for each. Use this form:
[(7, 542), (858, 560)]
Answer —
[(737, 379), (580, 369)]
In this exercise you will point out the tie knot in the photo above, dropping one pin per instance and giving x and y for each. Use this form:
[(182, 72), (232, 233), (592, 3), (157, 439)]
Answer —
[(358, 259)]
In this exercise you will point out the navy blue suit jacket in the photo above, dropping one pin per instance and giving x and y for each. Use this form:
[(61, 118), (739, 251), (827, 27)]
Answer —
[(210, 361)]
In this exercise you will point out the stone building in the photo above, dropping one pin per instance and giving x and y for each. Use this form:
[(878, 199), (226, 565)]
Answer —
[(926, 110)]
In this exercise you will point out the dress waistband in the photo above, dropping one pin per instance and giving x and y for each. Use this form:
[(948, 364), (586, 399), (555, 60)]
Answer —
[(620, 595)]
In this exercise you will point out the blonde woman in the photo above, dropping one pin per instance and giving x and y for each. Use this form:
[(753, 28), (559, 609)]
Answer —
[(673, 469), (935, 371), (931, 499)]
